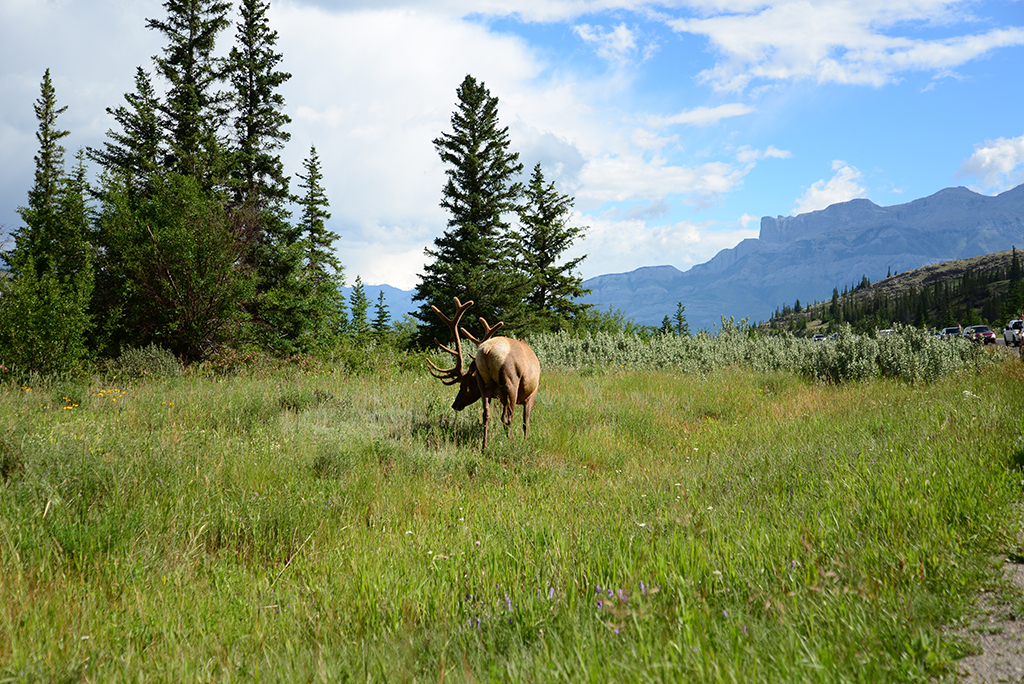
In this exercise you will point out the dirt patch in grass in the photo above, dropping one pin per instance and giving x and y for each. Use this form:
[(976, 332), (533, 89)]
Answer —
[(997, 630)]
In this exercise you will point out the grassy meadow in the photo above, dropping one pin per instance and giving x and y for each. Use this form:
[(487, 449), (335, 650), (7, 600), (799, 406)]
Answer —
[(737, 524)]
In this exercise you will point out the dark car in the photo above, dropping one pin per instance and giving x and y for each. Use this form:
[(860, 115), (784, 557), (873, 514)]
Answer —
[(980, 333)]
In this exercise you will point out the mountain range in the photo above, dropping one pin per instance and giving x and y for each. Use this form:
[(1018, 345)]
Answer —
[(804, 257)]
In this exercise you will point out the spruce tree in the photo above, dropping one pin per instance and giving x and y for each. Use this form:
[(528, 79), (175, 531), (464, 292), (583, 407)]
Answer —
[(259, 120), (194, 109), (259, 186), (135, 152), (544, 236), (681, 327), (381, 316), (322, 270), (44, 316), (359, 304), (475, 259), (35, 242)]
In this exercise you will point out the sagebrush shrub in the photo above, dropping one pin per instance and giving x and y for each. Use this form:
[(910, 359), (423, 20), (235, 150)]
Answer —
[(910, 354), (149, 362)]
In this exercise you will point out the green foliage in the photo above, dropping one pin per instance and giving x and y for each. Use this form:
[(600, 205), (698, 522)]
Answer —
[(910, 355), (381, 316), (135, 153), (172, 267), (44, 317), (193, 110), (43, 322), (474, 259), (359, 304), (322, 271), (543, 238), (147, 362), (258, 117)]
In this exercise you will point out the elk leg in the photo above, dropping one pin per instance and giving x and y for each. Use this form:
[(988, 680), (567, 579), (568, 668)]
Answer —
[(527, 407), (508, 399), (487, 416)]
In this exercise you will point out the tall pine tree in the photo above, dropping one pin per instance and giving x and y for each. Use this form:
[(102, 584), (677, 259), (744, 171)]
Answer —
[(544, 236), (259, 186), (134, 153), (322, 270), (360, 307), (194, 109), (44, 316), (259, 120), (475, 259)]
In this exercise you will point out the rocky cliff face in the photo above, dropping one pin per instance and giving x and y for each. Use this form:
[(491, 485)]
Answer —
[(806, 256)]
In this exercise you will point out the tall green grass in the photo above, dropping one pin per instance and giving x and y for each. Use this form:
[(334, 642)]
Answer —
[(300, 524)]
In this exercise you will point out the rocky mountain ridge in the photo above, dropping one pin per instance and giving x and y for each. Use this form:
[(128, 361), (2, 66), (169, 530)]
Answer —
[(806, 256)]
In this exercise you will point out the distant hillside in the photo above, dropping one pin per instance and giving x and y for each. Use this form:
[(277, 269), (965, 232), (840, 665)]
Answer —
[(809, 255), (984, 289)]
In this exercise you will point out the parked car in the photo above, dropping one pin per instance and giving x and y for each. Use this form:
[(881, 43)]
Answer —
[(818, 338), (980, 333), (952, 331), (1012, 333)]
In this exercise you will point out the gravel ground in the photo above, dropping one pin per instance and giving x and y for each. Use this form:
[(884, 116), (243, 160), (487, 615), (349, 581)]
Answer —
[(998, 631)]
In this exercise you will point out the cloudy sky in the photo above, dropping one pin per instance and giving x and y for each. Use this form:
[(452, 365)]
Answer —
[(676, 125)]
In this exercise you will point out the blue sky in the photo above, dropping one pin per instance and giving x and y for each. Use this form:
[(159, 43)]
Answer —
[(676, 125)]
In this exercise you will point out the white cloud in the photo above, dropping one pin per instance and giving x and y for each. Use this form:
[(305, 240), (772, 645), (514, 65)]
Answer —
[(631, 177), (701, 116), (842, 187), (616, 46), (620, 245), (997, 164), (840, 42), (748, 155)]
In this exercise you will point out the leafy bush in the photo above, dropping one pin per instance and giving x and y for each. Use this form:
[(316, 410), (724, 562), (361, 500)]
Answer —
[(147, 362), (910, 355)]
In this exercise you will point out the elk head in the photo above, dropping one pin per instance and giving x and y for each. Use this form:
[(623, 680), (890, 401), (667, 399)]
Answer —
[(503, 368)]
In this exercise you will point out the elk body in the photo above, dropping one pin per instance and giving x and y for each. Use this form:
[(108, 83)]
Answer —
[(503, 368)]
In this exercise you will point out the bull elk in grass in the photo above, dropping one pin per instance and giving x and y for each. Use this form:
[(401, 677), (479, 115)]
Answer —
[(503, 368)]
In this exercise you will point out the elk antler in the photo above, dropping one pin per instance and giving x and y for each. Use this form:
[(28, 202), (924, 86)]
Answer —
[(488, 332), (452, 375)]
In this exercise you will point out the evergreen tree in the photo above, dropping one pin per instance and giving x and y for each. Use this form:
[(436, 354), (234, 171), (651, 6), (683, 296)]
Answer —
[(194, 109), (135, 152), (259, 185), (544, 237), (175, 261), (35, 243), (381, 316), (257, 173), (44, 316), (682, 328), (360, 306), (474, 259), (321, 268)]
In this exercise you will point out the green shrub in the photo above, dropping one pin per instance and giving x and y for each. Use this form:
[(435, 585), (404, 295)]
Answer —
[(147, 362)]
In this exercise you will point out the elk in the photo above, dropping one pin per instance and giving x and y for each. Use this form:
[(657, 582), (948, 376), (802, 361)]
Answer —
[(503, 368)]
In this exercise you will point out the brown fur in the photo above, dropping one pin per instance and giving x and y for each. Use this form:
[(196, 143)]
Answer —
[(504, 368)]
